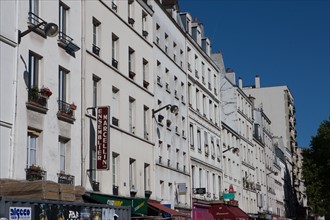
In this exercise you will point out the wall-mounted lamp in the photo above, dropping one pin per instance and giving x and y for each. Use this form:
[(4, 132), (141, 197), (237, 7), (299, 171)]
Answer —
[(235, 150), (50, 29), (174, 109), (275, 173)]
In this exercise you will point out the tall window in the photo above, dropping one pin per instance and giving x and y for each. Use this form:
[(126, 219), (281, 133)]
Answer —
[(115, 158), (31, 149), (193, 176), (144, 24), (146, 122), (62, 151), (200, 177), (199, 140), (131, 112), (115, 103), (34, 7), (197, 100), (33, 69), (62, 84), (191, 131), (145, 71), (96, 81), (146, 176), (132, 174), (96, 27), (63, 17), (114, 51), (131, 63)]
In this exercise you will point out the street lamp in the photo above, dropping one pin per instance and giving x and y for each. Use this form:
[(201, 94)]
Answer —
[(236, 150), (275, 173), (174, 109), (50, 30)]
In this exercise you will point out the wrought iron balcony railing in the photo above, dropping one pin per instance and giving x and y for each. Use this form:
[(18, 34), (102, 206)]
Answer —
[(65, 109)]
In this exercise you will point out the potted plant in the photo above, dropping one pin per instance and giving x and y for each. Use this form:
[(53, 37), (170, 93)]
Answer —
[(33, 93), (45, 91), (73, 106)]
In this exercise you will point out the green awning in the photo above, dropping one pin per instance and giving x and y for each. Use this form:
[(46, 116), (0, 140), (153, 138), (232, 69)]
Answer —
[(138, 205)]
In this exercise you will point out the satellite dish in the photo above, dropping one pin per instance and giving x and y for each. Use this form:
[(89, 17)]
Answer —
[(158, 133)]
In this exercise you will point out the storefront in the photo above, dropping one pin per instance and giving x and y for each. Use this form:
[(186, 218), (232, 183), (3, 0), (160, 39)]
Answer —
[(139, 206), (229, 212), (157, 209), (201, 211)]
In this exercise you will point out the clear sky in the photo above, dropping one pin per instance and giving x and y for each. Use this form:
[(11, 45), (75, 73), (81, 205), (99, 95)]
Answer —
[(284, 42)]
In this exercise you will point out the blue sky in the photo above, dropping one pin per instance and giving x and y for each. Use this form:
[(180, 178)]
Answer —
[(284, 42)]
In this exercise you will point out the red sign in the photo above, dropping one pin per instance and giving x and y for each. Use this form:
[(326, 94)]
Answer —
[(231, 188), (102, 155)]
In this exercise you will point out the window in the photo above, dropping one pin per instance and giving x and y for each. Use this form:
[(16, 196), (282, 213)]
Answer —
[(115, 106), (144, 24), (115, 159), (193, 176), (31, 158), (146, 176), (62, 84), (132, 173), (204, 104), (96, 81), (199, 143), (191, 129), (166, 43), (196, 67), (209, 78), (157, 34), (131, 64), (213, 183), (190, 94), (114, 51), (96, 44), (130, 12), (146, 122), (145, 73), (131, 117), (219, 184), (189, 58), (63, 12), (34, 6), (203, 72), (33, 77), (200, 177), (62, 152), (197, 100)]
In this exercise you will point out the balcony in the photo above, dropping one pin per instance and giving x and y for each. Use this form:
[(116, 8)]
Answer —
[(34, 20), (37, 100), (115, 121), (131, 74), (65, 178), (114, 63), (66, 111), (114, 6), (145, 84), (96, 50), (67, 44), (35, 173)]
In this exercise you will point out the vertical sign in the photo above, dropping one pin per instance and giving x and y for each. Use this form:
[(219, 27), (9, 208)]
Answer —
[(103, 115)]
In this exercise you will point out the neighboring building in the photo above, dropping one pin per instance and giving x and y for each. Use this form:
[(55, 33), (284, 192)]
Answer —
[(117, 72), (8, 85), (45, 128), (204, 115), (301, 192), (278, 102), (171, 152)]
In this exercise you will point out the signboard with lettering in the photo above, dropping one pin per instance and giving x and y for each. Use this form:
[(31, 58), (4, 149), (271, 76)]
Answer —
[(199, 191), (182, 189), (103, 149)]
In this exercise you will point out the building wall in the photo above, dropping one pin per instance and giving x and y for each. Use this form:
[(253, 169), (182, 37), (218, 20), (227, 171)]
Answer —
[(8, 74)]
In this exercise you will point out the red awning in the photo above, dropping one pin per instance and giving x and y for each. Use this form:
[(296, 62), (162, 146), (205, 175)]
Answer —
[(228, 212), (163, 208)]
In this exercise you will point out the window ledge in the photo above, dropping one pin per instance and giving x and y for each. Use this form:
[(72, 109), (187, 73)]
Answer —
[(36, 107), (65, 117)]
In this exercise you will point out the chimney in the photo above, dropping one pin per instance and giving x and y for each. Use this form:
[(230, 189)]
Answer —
[(240, 82), (257, 81)]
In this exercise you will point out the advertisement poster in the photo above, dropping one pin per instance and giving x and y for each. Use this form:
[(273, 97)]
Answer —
[(22, 213)]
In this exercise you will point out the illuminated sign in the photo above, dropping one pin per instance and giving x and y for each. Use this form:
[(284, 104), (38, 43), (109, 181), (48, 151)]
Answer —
[(102, 151)]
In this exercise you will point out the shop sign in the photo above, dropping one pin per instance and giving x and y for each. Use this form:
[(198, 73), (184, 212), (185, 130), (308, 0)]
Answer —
[(200, 191), (182, 189), (228, 196), (23, 213), (103, 116)]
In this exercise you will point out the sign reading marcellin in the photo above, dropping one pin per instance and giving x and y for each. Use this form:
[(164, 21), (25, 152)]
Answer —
[(103, 115)]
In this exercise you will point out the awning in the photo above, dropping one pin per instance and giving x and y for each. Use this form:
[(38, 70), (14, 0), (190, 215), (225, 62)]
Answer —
[(201, 212), (229, 212), (163, 208), (138, 205)]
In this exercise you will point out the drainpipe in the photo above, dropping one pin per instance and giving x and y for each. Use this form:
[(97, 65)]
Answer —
[(83, 86)]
